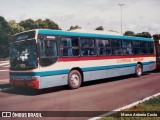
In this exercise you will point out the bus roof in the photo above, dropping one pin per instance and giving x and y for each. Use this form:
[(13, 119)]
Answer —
[(89, 34), (96, 31), (25, 32)]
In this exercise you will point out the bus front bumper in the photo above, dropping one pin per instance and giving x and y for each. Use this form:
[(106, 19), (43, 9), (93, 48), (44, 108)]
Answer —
[(23, 83)]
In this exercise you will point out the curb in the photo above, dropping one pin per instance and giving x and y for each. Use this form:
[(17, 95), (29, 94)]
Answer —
[(4, 89), (125, 107), (3, 70)]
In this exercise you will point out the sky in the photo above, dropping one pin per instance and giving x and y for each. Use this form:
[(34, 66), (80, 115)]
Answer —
[(137, 15)]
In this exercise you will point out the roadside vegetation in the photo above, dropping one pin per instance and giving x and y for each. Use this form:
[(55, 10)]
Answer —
[(150, 106), (9, 28)]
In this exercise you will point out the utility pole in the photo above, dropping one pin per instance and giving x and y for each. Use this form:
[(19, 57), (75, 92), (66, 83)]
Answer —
[(121, 5)]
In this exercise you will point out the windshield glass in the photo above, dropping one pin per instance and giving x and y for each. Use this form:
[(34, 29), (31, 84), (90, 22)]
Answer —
[(23, 55)]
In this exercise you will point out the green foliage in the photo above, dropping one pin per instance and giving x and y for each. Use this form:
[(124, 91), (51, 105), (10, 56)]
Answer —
[(151, 105), (144, 34), (49, 24), (7, 29), (99, 28), (39, 24), (129, 33), (74, 27), (46, 24), (156, 37), (5, 32), (15, 27), (28, 24), (129, 118), (113, 31)]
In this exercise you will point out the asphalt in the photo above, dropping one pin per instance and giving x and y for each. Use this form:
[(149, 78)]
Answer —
[(102, 95), (99, 96)]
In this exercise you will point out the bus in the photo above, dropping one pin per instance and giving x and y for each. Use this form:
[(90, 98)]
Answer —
[(157, 45), (45, 58)]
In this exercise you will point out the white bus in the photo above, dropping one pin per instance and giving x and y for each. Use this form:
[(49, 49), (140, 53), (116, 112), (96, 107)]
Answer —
[(47, 58)]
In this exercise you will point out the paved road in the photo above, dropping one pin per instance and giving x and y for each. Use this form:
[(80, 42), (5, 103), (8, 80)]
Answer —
[(4, 66), (101, 95)]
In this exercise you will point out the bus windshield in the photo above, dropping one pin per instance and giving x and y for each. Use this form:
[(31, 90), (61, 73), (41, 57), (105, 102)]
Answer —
[(23, 55)]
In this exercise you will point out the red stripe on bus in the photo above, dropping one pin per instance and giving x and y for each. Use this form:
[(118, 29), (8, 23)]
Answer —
[(86, 58)]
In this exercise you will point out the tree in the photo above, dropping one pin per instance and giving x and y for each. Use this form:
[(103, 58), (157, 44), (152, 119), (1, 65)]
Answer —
[(129, 33), (156, 37), (99, 28), (46, 24), (49, 24), (5, 31), (113, 31), (28, 24), (144, 34), (15, 27), (74, 27), (39, 24)]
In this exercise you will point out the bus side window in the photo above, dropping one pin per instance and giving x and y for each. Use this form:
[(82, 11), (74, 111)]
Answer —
[(88, 47), (145, 49), (116, 47), (48, 52), (69, 46), (40, 48), (127, 47), (150, 47), (103, 47), (136, 47)]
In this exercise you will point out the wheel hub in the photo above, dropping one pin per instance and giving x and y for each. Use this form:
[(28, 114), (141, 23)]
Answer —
[(75, 79)]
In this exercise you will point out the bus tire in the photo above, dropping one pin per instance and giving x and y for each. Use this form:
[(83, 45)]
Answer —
[(74, 79), (139, 70)]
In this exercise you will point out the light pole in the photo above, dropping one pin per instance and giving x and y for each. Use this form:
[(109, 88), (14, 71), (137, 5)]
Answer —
[(121, 5)]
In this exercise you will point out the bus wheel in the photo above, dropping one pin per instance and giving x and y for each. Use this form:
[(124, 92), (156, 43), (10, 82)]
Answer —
[(139, 70), (74, 79)]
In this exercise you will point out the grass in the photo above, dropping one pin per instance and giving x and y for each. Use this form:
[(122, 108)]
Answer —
[(150, 106)]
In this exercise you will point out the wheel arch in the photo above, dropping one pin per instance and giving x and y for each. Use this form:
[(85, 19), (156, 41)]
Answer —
[(139, 69), (140, 64)]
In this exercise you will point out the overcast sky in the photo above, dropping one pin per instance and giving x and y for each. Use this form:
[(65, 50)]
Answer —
[(138, 15)]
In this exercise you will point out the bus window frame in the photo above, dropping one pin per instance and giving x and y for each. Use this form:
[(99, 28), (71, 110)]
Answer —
[(116, 47), (139, 47), (41, 38), (95, 46), (60, 47), (127, 47)]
